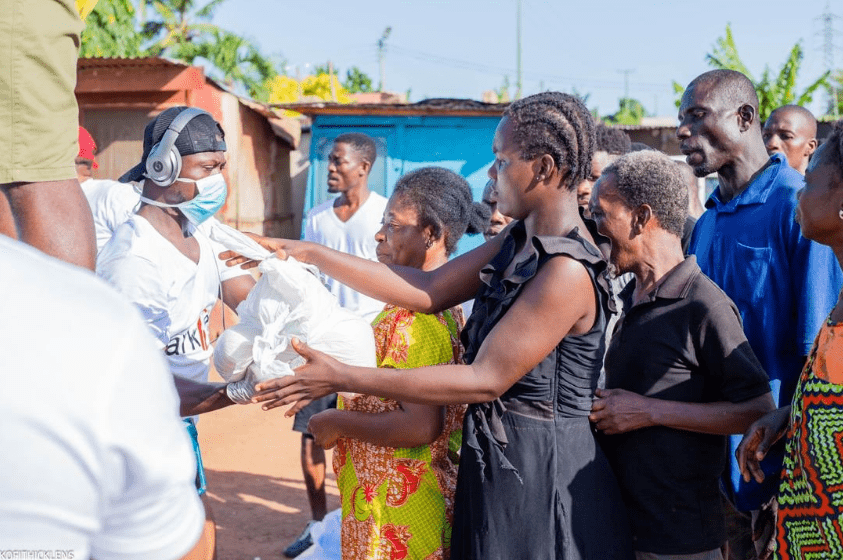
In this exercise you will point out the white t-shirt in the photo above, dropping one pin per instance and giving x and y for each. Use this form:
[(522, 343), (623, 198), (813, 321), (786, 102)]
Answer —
[(174, 294), (95, 459), (111, 204), (355, 237)]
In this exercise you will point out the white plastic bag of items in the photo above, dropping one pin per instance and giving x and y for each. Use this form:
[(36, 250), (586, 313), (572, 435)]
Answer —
[(288, 301)]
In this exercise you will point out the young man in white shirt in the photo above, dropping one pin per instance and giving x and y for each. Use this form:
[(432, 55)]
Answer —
[(347, 223), (161, 260), (101, 466)]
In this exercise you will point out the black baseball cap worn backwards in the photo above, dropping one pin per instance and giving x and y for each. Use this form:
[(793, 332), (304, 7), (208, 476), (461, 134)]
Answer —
[(201, 134)]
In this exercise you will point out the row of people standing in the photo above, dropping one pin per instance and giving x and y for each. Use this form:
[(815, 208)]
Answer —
[(532, 357)]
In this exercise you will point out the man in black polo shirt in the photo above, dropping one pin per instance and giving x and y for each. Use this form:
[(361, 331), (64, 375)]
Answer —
[(680, 374)]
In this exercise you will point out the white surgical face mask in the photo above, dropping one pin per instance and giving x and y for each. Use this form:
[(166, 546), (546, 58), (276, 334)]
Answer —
[(211, 197)]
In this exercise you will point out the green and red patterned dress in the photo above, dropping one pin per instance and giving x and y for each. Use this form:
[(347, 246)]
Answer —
[(399, 503), (810, 518)]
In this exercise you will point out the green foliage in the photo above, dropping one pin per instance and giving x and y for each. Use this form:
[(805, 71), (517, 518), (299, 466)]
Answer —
[(773, 90), (178, 29), (834, 90), (726, 55), (678, 90), (503, 92), (357, 81), (110, 31), (235, 58), (630, 111)]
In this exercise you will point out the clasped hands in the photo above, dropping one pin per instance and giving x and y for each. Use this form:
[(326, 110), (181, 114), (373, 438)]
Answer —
[(616, 411)]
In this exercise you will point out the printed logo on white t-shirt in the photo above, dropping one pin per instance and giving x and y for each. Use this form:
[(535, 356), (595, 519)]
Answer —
[(193, 340)]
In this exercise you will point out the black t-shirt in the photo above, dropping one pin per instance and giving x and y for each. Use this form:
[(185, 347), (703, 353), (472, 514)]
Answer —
[(683, 343)]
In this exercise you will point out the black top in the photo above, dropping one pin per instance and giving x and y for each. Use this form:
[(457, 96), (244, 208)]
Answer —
[(533, 483), (687, 231), (683, 343)]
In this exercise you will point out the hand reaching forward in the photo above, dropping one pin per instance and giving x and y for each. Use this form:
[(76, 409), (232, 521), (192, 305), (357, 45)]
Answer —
[(282, 248), (316, 378), (616, 411), (757, 440)]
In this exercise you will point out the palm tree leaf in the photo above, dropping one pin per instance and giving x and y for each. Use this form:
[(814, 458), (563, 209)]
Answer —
[(725, 55), (786, 80), (207, 11), (808, 95)]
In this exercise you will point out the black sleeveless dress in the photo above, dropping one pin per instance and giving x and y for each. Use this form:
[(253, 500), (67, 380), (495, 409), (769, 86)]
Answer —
[(533, 483)]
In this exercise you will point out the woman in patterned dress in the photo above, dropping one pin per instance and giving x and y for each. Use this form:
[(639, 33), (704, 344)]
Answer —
[(809, 522), (396, 462)]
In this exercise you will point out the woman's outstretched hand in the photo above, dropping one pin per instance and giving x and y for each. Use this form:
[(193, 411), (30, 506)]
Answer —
[(282, 248), (757, 440), (316, 378)]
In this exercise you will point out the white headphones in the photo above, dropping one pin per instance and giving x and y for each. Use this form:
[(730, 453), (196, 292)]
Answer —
[(163, 164)]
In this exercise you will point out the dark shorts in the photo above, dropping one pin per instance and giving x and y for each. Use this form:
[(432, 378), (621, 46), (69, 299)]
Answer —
[(303, 415)]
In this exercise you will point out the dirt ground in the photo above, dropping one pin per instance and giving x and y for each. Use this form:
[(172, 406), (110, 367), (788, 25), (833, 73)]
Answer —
[(255, 484)]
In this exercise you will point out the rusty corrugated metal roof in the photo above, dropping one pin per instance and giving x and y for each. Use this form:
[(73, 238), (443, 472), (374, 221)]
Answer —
[(429, 107), (284, 127), (152, 61)]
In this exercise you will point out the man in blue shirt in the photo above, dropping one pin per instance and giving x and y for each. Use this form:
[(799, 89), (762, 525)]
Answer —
[(749, 244)]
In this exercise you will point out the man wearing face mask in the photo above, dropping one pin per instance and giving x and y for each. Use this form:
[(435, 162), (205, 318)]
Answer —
[(162, 260)]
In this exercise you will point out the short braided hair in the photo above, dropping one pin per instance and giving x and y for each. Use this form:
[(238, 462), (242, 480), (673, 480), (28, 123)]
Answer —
[(360, 144), (557, 124), (652, 178), (442, 200)]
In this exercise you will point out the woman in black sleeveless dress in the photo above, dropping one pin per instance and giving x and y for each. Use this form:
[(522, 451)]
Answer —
[(533, 483)]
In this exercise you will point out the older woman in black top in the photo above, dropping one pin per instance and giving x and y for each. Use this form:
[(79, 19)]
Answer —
[(680, 374)]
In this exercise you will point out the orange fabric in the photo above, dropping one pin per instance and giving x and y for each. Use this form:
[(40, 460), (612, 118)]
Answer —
[(828, 364)]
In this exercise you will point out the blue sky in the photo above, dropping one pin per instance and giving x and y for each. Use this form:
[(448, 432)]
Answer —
[(460, 48)]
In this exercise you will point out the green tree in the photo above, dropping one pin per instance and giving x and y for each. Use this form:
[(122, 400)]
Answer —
[(630, 111), (236, 60), (111, 31), (357, 81), (178, 29), (773, 90), (177, 23), (834, 88)]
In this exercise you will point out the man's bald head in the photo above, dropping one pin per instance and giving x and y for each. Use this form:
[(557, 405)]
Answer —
[(792, 131), (796, 112), (731, 87)]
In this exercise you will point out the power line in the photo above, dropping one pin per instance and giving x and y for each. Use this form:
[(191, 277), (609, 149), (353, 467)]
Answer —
[(503, 70)]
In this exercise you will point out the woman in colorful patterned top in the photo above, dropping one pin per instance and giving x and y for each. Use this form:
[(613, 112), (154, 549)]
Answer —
[(396, 462), (809, 521)]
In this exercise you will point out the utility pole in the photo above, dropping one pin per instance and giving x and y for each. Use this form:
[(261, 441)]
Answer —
[(381, 49), (626, 74), (518, 82), (827, 19), (331, 81)]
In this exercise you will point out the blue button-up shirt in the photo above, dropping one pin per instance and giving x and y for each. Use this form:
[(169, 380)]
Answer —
[(783, 285)]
